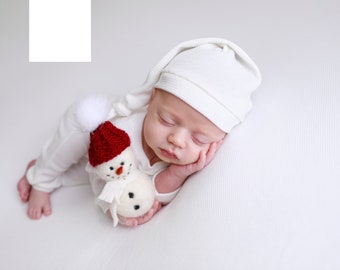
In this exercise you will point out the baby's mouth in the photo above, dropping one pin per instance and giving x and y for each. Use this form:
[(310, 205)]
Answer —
[(168, 154)]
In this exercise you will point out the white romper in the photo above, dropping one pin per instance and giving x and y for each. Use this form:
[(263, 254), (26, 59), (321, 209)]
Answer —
[(64, 159)]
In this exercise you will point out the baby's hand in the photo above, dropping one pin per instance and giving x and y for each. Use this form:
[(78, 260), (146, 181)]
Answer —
[(205, 158), (133, 222), (183, 171)]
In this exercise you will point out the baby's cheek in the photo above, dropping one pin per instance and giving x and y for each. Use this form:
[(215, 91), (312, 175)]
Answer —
[(194, 155), (153, 134), (206, 148)]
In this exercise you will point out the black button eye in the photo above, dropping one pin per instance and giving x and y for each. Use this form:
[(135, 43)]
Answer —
[(111, 168), (122, 163)]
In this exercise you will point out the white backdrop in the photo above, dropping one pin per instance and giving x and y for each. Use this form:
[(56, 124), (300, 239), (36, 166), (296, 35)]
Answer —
[(270, 200)]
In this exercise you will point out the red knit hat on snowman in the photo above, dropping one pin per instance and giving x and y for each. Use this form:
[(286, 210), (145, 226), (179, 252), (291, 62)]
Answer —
[(107, 142)]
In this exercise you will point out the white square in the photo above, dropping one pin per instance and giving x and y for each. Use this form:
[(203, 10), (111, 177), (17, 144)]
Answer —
[(60, 30)]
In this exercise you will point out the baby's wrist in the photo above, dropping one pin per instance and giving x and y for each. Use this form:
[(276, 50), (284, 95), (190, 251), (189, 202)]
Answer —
[(177, 173)]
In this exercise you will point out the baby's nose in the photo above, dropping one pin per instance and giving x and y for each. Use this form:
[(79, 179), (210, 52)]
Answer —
[(178, 138), (119, 171)]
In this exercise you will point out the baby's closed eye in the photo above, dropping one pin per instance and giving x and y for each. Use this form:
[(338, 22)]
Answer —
[(200, 139), (166, 120)]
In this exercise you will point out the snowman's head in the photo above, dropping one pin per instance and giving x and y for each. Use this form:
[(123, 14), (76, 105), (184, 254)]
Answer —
[(118, 168)]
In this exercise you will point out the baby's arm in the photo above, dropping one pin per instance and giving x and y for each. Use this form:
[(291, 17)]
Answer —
[(170, 180)]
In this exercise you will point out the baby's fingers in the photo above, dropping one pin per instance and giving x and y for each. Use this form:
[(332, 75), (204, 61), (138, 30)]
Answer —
[(201, 162), (211, 152)]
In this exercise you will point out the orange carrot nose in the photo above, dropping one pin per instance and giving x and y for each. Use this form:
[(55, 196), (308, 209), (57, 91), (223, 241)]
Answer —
[(119, 170)]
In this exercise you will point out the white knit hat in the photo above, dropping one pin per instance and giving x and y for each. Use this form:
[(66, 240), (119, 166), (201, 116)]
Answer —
[(214, 76)]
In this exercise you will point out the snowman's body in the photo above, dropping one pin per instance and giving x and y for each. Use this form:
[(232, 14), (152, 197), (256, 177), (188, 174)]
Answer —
[(137, 197), (128, 190)]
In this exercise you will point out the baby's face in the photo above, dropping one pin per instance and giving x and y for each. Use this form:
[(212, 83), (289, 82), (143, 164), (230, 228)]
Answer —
[(176, 133)]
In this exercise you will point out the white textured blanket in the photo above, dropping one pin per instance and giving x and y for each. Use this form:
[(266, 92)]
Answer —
[(270, 200)]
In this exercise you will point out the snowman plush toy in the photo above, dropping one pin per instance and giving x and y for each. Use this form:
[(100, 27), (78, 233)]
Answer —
[(128, 191)]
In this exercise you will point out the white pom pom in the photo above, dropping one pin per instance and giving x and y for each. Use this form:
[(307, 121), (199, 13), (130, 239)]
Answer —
[(92, 111)]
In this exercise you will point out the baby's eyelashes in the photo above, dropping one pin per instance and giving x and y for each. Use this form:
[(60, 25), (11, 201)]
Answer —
[(166, 120), (200, 139)]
